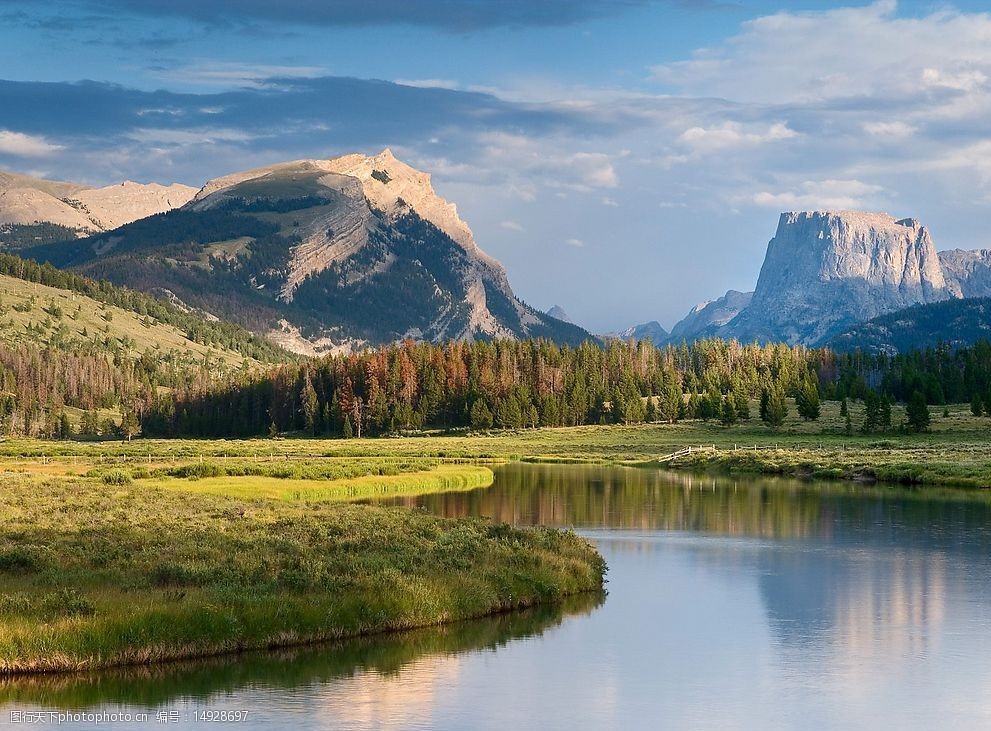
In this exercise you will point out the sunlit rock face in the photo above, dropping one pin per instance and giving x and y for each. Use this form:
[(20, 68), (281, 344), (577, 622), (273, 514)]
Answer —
[(967, 273), (825, 270), (25, 201)]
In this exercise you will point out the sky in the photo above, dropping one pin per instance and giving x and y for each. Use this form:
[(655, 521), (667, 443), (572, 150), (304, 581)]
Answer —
[(624, 159)]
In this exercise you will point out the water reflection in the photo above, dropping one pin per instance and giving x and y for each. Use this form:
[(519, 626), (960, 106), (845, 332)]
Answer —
[(587, 497), (747, 603), (417, 653)]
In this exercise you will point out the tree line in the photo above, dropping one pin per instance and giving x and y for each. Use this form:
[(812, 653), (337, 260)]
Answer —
[(523, 384)]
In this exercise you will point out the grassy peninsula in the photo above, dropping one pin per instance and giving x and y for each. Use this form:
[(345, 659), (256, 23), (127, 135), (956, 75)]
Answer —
[(126, 566)]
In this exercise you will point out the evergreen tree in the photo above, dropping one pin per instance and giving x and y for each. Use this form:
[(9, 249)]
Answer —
[(872, 412), (976, 406), (742, 404), (650, 414), (807, 400), (885, 411), (310, 406), (774, 408), (65, 428), (348, 431), (917, 412), (481, 417), (729, 414), (844, 409)]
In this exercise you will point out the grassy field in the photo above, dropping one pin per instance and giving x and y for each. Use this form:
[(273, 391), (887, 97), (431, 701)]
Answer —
[(133, 566), (956, 452)]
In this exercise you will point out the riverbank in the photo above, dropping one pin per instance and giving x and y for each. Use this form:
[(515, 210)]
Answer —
[(105, 571)]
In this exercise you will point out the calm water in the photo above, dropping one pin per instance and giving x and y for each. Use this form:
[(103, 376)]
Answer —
[(733, 604)]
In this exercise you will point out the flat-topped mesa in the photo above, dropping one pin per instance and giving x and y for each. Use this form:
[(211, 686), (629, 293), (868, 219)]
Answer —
[(811, 247), (826, 270)]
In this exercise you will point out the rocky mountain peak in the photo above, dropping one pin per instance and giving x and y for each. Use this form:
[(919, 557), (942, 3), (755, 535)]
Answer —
[(26, 201)]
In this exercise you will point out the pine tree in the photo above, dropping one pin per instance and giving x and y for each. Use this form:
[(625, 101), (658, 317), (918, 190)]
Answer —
[(872, 412), (742, 404), (917, 412), (885, 411), (481, 417), (310, 406), (807, 400), (348, 431), (976, 407), (650, 414), (65, 428), (844, 409), (729, 412), (774, 408)]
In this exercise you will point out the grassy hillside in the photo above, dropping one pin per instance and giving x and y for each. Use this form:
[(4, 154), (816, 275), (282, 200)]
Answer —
[(57, 318)]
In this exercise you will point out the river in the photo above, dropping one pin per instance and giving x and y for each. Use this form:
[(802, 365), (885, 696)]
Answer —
[(733, 603)]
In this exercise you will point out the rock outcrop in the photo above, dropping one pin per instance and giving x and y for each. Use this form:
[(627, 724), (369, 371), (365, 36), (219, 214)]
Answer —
[(558, 313), (827, 270), (967, 273), (653, 330), (26, 201)]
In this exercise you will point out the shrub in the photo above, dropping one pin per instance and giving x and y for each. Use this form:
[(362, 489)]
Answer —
[(116, 477)]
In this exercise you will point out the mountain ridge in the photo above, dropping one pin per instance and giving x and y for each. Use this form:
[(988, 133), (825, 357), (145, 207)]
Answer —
[(322, 255)]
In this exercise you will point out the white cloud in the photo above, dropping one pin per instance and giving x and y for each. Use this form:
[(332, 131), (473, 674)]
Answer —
[(511, 226), (852, 53), (208, 73), (22, 145), (891, 130), (821, 195), (578, 243), (180, 137), (607, 201), (731, 135), (429, 83)]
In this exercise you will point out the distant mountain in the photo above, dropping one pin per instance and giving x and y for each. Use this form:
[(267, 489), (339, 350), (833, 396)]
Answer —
[(827, 271), (955, 322), (36, 211), (321, 255), (558, 313), (706, 318), (653, 330)]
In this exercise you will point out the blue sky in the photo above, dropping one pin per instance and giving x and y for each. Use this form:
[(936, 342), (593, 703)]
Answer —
[(625, 159)]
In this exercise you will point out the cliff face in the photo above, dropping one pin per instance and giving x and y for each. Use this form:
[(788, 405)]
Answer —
[(967, 273), (825, 270)]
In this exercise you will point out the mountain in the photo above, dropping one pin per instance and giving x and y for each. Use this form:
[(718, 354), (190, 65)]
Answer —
[(653, 330), (558, 313), (826, 270), (967, 273), (706, 318), (34, 210), (955, 322), (321, 255)]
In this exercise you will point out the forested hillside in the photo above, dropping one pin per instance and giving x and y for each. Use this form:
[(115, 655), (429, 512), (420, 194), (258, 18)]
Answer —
[(954, 322), (78, 355)]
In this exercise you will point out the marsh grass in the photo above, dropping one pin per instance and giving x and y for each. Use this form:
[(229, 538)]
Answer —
[(442, 478), (96, 575)]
